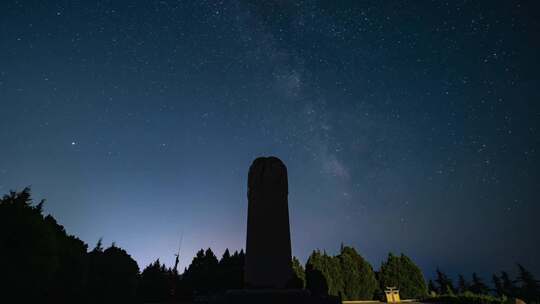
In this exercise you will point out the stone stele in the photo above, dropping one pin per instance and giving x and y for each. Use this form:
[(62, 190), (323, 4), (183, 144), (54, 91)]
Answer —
[(268, 268), (268, 244)]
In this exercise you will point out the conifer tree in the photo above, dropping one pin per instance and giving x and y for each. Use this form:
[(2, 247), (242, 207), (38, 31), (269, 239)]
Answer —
[(299, 279), (226, 256), (498, 286), (40, 260), (224, 272), (529, 289), (113, 274), (334, 275), (463, 285), (237, 277), (153, 285), (432, 287), (509, 289), (316, 280), (357, 276), (445, 285), (346, 275), (200, 276), (477, 285), (402, 273)]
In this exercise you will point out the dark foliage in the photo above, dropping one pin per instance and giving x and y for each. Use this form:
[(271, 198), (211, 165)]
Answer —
[(529, 287), (316, 279), (30, 257), (200, 277), (508, 287), (432, 287), (112, 275), (477, 285), (231, 271), (155, 282), (466, 298), (445, 285), (346, 275), (498, 286), (206, 275), (299, 275), (463, 285), (359, 280), (41, 262), (402, 273), (524, 287)]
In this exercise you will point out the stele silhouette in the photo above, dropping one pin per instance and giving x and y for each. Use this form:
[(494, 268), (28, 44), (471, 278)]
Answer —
[(268, 243), (268, 265)]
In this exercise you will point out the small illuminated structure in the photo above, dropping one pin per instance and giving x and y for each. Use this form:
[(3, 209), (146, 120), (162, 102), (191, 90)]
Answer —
[(392, 295)]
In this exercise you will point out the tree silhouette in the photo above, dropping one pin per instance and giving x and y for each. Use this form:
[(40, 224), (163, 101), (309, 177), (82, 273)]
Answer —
[(334, 275), (200, 276), (497, 285), (346, 275), (225, 271), (432, 287), (402, 273), (316, 281), (299, 275), (112, 274), (154, 283), (238, 260), (359, 282), (444, 282), (230, 272), (463, 285), (39, 261), (477, 285), (529, 289), (70, 276), (509, 289)]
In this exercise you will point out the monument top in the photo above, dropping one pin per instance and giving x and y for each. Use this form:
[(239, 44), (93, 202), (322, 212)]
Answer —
[(268, 173)]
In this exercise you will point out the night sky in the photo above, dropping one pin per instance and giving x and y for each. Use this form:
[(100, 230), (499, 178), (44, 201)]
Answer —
[(409, 128)]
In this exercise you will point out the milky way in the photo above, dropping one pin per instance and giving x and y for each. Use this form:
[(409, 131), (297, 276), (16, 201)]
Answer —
[(405, 128)]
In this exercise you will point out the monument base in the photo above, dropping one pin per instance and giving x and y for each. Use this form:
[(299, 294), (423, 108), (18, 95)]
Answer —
[(275, 296)]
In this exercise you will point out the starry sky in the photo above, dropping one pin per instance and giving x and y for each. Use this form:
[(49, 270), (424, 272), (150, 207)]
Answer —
[(405, 127)]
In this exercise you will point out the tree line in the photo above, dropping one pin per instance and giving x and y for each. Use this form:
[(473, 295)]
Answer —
[(40, 261), (524, 286)]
